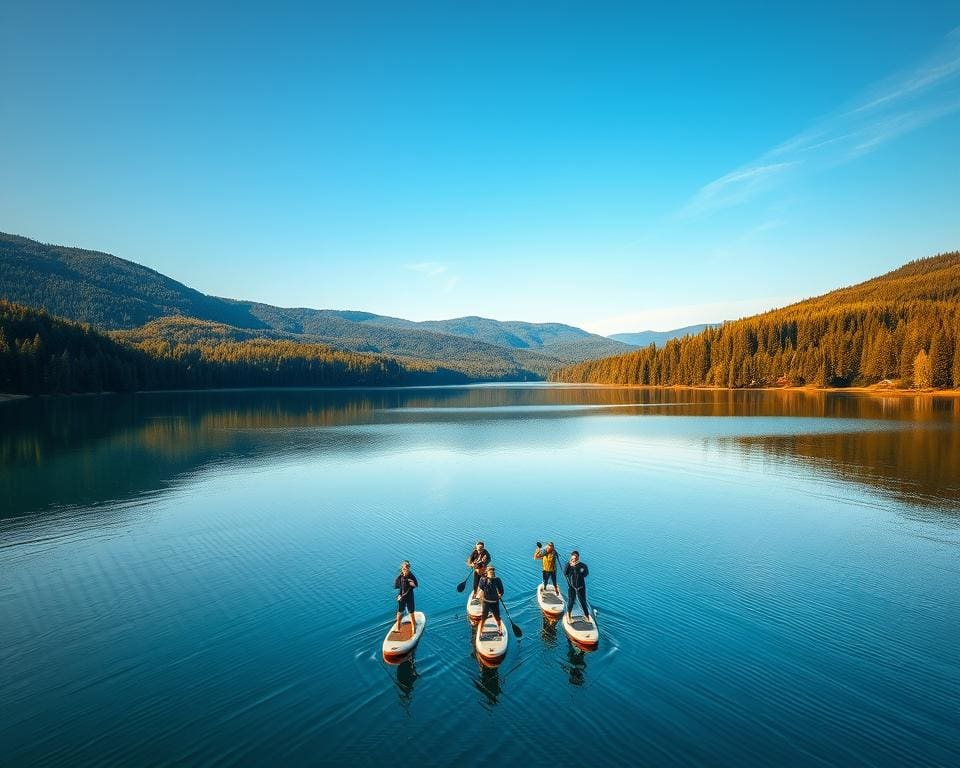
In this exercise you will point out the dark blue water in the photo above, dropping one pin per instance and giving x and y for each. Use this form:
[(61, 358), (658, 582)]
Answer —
[(206, 578)]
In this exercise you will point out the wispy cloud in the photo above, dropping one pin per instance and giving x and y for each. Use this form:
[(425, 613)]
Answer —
[(736, 187), (893, 107), (943, 65), (428, 268), (438, 275)]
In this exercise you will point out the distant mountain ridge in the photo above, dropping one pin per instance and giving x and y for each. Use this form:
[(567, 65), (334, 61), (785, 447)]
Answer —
[(114, 294), (646, 338)]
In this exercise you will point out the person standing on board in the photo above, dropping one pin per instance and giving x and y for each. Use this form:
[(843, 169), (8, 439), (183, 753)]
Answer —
[(479, 560), (548, 558), (576, 573), (406, 582), (492, 590)]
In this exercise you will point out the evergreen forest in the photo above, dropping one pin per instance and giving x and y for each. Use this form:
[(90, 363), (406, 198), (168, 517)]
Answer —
[(40, 354), (902, 328)]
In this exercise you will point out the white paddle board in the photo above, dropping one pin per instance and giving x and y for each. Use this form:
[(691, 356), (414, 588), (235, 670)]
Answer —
[(400, 643), (550, 602), (474, 607), (580, 630), (490, 644)]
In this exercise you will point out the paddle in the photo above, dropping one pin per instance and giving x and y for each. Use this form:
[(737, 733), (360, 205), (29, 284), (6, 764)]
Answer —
[(463, 584), (516, 630)]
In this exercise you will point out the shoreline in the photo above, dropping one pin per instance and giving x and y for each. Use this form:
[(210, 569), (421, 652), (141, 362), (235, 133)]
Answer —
[(869, 390)]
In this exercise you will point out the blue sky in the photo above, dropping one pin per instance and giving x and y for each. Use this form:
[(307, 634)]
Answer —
[(619, 167)]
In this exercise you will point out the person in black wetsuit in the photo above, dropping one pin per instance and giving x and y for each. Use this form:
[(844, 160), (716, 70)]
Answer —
[(576, 573), (405, 582), (479, 559), (492, 590)]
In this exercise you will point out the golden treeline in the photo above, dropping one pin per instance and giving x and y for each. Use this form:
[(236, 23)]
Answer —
[(903, 327)]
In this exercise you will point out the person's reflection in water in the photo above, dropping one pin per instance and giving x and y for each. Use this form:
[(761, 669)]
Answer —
[(406, 677), (489, 683), (576, 665), (548, 632)]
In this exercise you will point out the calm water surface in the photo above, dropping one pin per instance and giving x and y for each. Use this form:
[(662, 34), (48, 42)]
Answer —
[(205, 578)]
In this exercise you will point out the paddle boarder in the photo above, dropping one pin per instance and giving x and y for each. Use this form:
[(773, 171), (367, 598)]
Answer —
[(479, 559), (492, 590), (548, 559), (576, 573), (406, 582)]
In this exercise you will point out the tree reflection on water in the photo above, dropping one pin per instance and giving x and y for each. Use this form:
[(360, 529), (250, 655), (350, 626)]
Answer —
[(90, 450)]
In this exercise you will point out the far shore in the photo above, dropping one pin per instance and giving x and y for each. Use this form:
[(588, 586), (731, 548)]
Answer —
[(871, 390)]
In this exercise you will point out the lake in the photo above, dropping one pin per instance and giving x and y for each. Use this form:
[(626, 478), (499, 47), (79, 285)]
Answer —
[(200, 578)]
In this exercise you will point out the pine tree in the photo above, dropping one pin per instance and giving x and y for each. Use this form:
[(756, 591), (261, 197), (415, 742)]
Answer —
[(956, 361), (922, 371), (940, 360)]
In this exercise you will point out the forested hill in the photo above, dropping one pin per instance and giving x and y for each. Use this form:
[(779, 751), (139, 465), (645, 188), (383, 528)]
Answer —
[(564, 342), (114, 294), (903, 326), (102, 290), (41, 354), (470, 360), (366, 332), (936, 278)]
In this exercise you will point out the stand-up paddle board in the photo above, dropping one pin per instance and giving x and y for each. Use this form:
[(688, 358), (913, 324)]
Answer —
[(550, 602), (581, 631), (397, 644), (490, 644), (474, 607)]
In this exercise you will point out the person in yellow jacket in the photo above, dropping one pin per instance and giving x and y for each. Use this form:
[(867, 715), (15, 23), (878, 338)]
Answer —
[(548, 558)]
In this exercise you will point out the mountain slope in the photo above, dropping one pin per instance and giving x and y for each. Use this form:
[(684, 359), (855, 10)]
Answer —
[(904, 325), (474, 360), (379, 333), (100, 289), (936, 278)]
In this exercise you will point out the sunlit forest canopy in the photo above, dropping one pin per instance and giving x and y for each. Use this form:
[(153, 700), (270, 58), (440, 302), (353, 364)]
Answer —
[(902, 327)]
